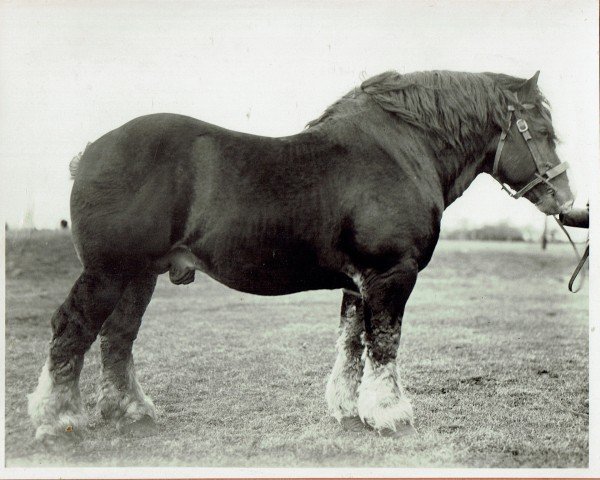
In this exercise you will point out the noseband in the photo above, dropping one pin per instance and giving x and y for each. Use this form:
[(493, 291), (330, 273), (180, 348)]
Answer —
[(545, 171)]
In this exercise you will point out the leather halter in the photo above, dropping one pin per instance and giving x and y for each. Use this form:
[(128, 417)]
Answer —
[(545, 172)]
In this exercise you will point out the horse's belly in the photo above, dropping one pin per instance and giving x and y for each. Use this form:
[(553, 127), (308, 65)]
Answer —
[(271, 273), (264, 281)]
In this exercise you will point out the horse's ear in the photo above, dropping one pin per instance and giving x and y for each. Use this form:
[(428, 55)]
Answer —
[(527, 90)]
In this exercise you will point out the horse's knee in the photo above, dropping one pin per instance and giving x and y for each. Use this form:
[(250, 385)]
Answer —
[(385, 295)]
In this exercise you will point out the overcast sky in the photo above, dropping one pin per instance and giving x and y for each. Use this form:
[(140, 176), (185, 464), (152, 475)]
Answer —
[(71, 71)]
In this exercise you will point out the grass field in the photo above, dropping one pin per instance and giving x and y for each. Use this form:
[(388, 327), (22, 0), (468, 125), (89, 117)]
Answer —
[(494, 355)]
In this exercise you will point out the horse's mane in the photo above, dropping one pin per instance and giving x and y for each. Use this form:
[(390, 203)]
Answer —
[(456, 106)]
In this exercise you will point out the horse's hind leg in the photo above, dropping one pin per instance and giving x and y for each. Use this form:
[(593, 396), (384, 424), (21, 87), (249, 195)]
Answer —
[(342, 388), (121, 398), (55, 405)]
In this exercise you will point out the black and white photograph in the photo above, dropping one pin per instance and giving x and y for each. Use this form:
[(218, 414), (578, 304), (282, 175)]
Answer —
[(299, 238)]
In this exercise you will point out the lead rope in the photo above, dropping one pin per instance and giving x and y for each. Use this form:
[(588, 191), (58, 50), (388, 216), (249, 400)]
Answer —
[(581, 259)]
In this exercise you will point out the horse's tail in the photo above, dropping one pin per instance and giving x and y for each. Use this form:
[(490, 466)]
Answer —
[(74, 164)]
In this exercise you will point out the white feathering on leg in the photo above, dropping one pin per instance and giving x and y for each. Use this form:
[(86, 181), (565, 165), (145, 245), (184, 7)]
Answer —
[(125, 406), (381, 399), (55, 409), (342, 387), (39, 398)]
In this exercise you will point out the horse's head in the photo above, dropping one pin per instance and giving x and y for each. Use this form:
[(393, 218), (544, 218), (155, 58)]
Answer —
[(526, 159)]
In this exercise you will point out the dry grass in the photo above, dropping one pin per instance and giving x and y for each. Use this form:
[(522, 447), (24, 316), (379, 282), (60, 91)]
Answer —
[(494, 356)]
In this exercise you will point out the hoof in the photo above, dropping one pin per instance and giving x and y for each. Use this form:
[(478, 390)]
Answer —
[(402, 431), (354, 424), (142, 427)]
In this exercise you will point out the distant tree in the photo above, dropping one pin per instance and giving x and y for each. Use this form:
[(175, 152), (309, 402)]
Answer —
[(545, 234), (502, 231), (64, 224), (498, 232)]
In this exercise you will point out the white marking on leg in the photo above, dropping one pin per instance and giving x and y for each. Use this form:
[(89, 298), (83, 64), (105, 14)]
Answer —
[(381, 399), (55, 409), (140, 404), (39, 398), (342, 387), (124, 406)]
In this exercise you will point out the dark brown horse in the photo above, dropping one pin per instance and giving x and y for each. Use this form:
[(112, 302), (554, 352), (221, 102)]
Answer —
[(353, 202)]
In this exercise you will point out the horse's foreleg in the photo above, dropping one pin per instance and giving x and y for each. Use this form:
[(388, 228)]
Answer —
[(342, 387), (55, 405), (381, 399), (121, 398)]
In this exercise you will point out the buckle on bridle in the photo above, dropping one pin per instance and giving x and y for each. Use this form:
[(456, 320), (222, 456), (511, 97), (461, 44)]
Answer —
[(522, 125)]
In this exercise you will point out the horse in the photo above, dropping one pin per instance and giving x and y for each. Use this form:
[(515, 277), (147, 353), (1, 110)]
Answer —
[(353, 202)]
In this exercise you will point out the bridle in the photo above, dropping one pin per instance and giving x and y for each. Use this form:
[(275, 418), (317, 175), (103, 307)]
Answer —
[(545, 171)]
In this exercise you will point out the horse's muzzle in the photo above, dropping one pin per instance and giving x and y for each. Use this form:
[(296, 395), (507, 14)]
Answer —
[(567, 206)]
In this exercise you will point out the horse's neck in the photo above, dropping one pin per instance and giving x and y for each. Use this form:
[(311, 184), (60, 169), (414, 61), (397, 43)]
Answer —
[(457, 172), (456, 169)]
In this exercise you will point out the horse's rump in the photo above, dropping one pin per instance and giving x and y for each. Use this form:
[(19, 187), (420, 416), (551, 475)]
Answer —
[(130, 197)]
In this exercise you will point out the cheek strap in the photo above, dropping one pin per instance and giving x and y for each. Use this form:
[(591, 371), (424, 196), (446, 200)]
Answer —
[(501, 143)]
